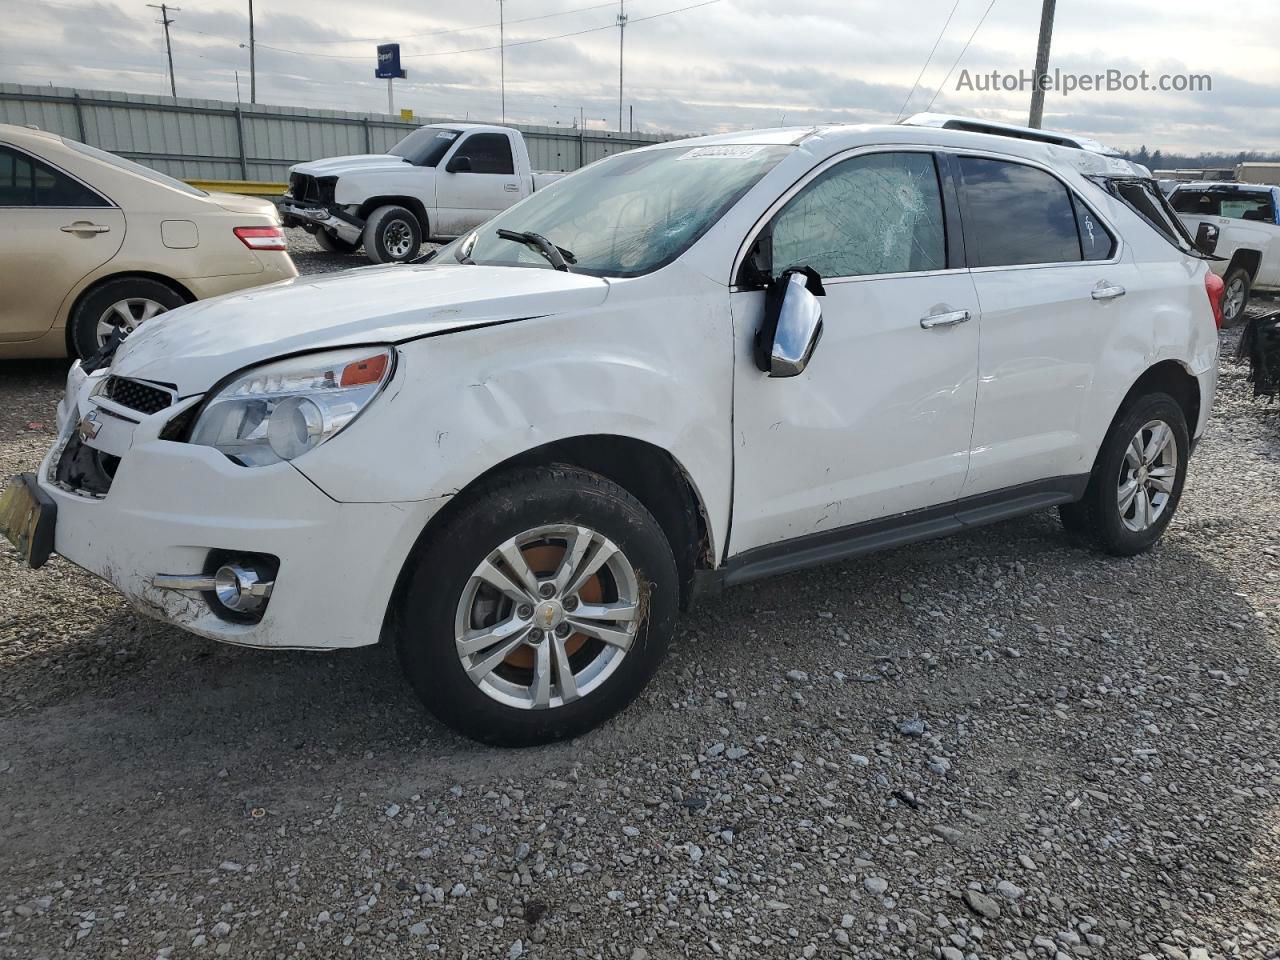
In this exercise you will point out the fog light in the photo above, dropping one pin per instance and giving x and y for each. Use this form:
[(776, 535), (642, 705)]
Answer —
[(240, 589)]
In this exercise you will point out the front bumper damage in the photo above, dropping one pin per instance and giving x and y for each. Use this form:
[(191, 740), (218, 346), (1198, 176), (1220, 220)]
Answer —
[(170, 508), (327, 216)]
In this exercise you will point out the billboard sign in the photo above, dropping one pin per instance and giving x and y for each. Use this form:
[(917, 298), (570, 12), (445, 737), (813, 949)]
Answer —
[(388, 62)]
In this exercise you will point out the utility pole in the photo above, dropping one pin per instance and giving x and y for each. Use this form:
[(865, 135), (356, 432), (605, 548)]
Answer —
[(238, 86), (502, 57), (165, 10), (622, 29), (631, 118), (253, 72), (1042, 63)]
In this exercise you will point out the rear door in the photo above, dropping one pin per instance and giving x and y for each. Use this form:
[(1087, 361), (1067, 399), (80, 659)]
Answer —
[(56, 230), (1052, 280), (466, 199)]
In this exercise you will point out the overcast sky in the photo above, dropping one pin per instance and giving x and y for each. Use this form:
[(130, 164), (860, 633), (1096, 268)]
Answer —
[(729, 65)]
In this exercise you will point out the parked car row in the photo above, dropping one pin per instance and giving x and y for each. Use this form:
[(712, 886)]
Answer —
[(679, 369), (94, 244)]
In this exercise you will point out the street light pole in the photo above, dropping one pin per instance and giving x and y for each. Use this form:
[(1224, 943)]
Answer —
[(165, 10), (1042, 63), (253, 72), (502, 57), (622, 29)]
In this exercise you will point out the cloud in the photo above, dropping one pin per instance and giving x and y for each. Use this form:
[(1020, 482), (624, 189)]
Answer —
[(735, 64)]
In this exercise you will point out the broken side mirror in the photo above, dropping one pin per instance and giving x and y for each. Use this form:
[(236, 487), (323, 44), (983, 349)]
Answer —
[(792, 323), (460, 164), (1207, 238)]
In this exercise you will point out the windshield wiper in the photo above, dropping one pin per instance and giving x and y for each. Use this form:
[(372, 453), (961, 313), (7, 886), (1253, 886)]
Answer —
[(558, 257)]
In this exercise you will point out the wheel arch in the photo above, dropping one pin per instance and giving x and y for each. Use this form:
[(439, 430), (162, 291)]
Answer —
[(649, 473), (99, 282), (413, 204), (1250, 260), (1174, 378)]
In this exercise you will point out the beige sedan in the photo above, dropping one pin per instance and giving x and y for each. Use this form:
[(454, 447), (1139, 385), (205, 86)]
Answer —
[(91, 242)]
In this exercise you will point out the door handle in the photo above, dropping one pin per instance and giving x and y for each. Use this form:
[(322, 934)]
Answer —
[(945, 319), (83, 227), (1107, 291)]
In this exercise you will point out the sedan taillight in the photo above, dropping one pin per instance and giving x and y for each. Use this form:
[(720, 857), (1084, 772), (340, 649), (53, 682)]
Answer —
[(1215, 288), (262, 238)]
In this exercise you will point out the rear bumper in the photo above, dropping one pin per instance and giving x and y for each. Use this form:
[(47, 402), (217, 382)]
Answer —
[(276, 266), (171, 504)]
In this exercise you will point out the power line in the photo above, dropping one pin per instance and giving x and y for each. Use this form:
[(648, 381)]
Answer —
[(486, 49), (927, 61), (962, 53)]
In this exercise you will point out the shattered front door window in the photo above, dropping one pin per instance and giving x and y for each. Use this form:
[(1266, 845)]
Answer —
[(871, 215)]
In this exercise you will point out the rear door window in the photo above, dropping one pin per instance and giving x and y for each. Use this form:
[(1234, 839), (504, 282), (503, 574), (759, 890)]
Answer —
[(1015, 214), (489, 153), (26, 182)]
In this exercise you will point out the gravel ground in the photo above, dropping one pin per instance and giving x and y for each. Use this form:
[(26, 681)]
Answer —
[(997, 745)]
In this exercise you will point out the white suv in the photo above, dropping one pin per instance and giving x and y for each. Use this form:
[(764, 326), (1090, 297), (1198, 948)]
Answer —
[(681, 368)]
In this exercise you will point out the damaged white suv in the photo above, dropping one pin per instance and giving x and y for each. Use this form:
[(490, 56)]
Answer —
[(680, 368)]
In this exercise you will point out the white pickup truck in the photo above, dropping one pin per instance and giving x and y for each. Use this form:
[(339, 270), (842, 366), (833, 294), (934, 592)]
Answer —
[(439, 181), (1240, 223)]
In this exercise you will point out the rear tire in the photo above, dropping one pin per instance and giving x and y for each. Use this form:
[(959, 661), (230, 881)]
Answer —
[(1137, 479), (475, 653), (123, 302), (334, 244), (392, 234), (1237, 286)]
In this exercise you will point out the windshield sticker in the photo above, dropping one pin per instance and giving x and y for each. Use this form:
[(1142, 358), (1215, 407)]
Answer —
[(728, 152), (447, 135)]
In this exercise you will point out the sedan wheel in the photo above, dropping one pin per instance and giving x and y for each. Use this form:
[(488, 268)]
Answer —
[(1147, 476), (125, 315), (547, 617)]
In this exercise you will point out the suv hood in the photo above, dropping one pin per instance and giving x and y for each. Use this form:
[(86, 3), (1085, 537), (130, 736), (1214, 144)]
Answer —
[(195, 346), (336, 166)]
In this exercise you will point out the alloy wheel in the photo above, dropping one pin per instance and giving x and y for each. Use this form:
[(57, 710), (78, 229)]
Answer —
[(1147, 476), (397, 238), (126, 315), (547, 617), (1233, 300)]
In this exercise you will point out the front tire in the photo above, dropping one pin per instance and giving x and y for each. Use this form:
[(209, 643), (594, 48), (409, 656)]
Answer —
[(1235, 295), (1137, 480), (332, 243), (538, 610), (392, 234)]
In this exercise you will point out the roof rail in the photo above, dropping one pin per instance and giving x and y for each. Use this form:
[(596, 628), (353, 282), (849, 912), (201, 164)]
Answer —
[(994, 128)]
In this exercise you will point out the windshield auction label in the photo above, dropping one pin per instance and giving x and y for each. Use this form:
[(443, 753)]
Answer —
[(726, 152)]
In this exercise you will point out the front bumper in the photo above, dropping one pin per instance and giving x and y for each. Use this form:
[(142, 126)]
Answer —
[(328, 216), (171, 504)]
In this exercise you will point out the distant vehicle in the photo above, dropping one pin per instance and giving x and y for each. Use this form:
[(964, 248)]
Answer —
[(1240, 223), (682, 368), (93, 243), (439, 181)]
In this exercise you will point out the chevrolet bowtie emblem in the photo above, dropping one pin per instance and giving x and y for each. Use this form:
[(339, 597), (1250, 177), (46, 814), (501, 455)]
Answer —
[(88, 427)]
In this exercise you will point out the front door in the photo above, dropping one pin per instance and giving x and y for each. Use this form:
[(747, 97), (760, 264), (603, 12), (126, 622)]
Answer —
[(56, 230), (879, 423), (467, 198)]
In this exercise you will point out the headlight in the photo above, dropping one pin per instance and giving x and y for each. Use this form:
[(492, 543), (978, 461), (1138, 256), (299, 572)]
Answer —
[(280, 410)]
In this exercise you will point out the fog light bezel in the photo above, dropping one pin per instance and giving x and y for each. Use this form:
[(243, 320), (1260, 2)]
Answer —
[(263, 568)]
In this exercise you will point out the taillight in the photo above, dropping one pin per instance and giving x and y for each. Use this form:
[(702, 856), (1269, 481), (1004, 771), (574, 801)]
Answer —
[(1215, 288), (262, 238)]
